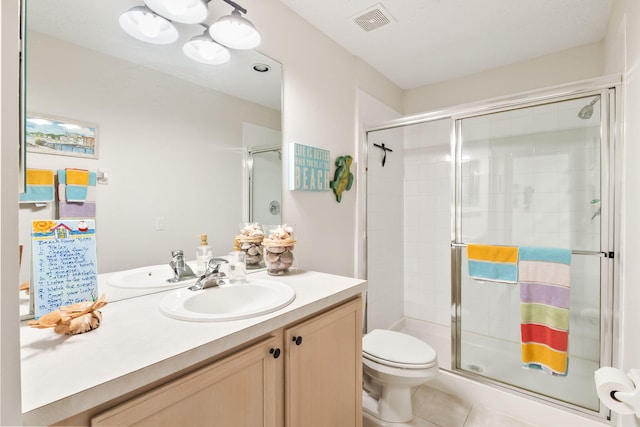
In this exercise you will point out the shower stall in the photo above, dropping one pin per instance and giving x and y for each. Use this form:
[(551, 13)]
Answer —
[(535, 170)]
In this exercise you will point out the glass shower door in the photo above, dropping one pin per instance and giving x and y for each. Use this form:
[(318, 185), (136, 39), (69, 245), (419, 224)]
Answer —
[(535, 176)]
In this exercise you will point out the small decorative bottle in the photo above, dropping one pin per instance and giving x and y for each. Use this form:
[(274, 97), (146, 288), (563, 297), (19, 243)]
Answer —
[(203, 254)]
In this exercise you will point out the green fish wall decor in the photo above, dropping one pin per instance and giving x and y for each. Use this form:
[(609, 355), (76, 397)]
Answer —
[(343, 178)]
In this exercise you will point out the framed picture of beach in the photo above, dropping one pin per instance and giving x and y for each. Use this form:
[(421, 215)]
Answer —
[(55, 135)]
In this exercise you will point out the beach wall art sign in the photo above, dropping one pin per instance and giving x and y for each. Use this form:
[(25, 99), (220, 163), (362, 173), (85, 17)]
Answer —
[(309, 168)]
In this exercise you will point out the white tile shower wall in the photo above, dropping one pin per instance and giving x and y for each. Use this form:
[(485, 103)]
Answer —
[(385, 225), (427, 213)]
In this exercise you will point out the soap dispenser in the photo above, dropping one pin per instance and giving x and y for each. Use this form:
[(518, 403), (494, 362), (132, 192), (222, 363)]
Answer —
[(203, 254)]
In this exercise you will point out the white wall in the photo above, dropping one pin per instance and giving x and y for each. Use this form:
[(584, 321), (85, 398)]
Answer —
[(623, 55), (173, 151), (567, 66), (319, 110), (381, 91)]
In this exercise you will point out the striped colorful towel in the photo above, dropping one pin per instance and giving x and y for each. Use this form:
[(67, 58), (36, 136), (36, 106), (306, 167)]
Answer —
[(39, 186), (77, 185), (76, 193), (493, 263), (544, 278)]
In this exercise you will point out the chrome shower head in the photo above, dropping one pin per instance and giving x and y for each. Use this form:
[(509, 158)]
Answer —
[(587, 111)]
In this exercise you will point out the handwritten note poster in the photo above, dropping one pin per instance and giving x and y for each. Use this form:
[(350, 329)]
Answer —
[(63, 264), (309, 168)]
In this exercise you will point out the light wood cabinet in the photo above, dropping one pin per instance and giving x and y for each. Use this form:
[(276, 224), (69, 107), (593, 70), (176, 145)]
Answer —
[(309, 374), (239, 390), (323, 369)]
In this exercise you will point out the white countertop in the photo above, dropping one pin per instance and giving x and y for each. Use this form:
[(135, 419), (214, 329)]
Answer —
[(137, 345)]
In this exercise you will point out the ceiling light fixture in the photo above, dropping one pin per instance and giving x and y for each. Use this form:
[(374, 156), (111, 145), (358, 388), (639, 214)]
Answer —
[(153, 23), (204, 49)]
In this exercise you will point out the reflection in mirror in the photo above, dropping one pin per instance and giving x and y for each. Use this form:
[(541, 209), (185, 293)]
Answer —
[(171, 132), (264, 167)]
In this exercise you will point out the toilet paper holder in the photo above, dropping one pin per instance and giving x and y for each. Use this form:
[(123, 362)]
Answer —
[(631, 398), (619, 394)]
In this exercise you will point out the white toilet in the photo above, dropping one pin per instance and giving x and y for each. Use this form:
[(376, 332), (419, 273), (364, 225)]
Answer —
[(393, 363)]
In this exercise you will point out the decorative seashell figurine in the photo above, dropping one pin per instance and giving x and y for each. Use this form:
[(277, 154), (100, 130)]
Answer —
[(278, 246), (73, 319), (249, 241)]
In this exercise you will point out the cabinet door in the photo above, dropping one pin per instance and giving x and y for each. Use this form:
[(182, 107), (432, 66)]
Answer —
[(323, 369), (239, 390)]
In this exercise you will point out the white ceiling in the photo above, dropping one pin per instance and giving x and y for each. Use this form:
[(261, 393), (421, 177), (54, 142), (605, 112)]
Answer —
[(428, 41), (438, 40)]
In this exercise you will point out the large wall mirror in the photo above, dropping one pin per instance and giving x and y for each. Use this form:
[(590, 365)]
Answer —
[(172, 134)]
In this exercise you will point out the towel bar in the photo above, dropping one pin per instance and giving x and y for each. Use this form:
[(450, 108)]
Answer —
[(573, 252)]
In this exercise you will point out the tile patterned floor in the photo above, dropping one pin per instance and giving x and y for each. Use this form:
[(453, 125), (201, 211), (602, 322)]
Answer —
[(433, 408)]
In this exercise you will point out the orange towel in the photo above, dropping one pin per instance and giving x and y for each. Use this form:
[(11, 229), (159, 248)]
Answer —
[(77, 177), (39, 177), (492, 253)]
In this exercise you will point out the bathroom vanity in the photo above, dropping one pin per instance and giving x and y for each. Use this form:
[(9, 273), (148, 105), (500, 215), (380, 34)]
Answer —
[(300, 365)]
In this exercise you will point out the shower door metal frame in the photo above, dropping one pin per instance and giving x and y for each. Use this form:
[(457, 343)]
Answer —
[(609, 263)]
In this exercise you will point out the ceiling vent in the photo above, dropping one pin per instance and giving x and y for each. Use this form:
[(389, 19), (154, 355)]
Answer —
[(374, 17)]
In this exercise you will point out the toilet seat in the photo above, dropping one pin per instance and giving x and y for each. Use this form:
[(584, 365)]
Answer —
[(398, 350)]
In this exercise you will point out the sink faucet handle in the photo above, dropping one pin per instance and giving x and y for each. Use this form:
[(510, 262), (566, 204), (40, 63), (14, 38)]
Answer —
[(177, 253), (180, 268), (178, 259), (218, 262), (213, 266)]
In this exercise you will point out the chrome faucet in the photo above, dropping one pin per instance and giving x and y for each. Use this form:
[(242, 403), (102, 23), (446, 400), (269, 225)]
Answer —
[(181, 269), (212, 277)]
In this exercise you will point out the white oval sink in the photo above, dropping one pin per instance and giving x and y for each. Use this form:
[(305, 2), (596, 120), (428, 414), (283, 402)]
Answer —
[(153, 277), (228, 301)]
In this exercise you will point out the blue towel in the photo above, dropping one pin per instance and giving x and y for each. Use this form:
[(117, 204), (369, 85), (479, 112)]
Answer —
[(76, 193)]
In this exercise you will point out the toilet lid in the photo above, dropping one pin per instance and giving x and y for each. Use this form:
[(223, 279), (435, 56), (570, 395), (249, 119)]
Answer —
[(395, 348)]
